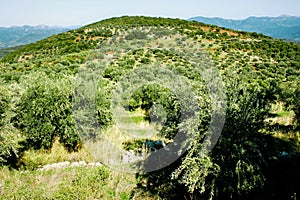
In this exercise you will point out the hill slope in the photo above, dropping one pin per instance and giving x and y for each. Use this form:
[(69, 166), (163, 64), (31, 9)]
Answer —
[(6, 51), (137, 83), (284, 27)]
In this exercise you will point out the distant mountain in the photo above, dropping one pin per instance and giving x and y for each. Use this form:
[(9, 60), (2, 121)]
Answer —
[(21, 35), (283, 27)]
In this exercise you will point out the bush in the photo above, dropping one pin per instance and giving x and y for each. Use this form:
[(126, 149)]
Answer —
[(136, 34), (234, 168), (5, 105), (44, 113), (10, 146), (9, 137)]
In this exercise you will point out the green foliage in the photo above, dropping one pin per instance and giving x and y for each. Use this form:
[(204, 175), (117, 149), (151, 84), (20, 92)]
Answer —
[(197, 174), (103, 103), (44, 113), (10, 138), (102, 33), (243, 162), (136, 34), (239, 168), (10, 146), (297, 105), (71, 183), (141, 21), (6, 51), (5, 105), (291, 95), (135, 145), (151, 95), (85, 184)]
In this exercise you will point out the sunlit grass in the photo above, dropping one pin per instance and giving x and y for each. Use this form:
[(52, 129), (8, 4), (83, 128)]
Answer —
[(84, 182), (36, 159), (67, 183)]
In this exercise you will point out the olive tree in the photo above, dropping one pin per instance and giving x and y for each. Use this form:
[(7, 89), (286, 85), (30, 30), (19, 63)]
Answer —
[(234, 168), (10, 138), (45, 113)]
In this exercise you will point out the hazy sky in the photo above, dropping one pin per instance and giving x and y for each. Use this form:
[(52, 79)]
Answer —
[(80, 12)]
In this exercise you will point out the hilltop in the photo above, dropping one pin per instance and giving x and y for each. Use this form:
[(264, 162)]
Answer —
[(216, 107), (283, 27)]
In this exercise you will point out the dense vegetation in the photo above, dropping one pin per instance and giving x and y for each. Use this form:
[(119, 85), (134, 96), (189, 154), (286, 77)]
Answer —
[(6, 51), (175, 77)]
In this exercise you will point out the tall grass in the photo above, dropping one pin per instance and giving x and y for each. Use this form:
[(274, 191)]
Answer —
[(67, 183), (32, 159)]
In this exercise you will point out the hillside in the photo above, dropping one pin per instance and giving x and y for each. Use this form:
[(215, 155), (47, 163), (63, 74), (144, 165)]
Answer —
[(6, 51), (21, 35), (283, 27), (192, 110)]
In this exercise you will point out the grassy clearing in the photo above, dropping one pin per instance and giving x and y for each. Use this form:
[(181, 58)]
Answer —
[(283, 122), (282, 115), (133, 125), (68, 183), (32, 160), (85, 182)]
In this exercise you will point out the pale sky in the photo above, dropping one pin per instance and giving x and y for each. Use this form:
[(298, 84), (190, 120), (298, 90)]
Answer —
[(81, 12)]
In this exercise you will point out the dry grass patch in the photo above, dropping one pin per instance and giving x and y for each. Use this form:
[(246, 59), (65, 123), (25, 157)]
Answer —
[(32, 159)]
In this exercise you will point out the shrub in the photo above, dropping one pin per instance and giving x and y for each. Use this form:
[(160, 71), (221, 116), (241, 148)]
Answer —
[(44, 113), (10, 146), (234, 173), (9, 137), (136, 34)]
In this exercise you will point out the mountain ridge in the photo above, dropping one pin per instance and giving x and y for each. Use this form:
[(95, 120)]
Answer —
[(22, 35), (41, 26), (281, 27)]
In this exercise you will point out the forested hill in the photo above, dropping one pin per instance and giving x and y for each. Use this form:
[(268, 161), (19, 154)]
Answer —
[(284, 27), (138, 82)]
